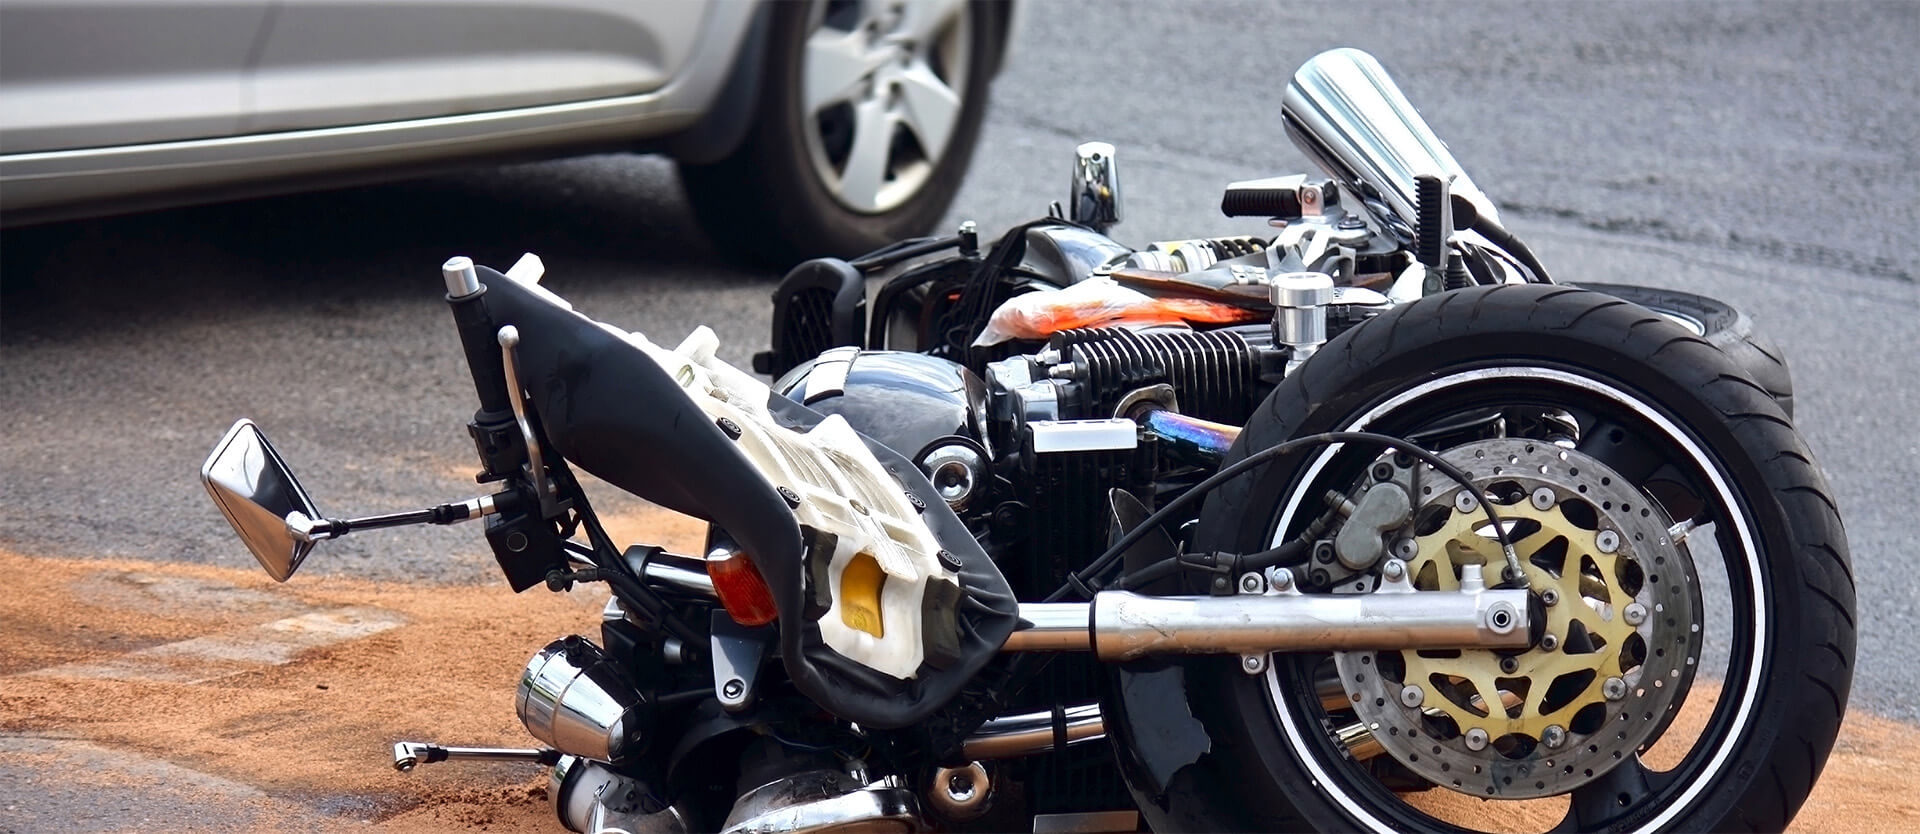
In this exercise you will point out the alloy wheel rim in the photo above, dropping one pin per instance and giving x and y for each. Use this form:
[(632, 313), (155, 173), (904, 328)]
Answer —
[(881, 89), (1726, 725)]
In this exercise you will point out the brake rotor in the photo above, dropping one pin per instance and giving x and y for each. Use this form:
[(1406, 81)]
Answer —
[(1622, 634)]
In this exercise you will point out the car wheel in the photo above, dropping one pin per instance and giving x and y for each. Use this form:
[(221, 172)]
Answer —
[(867, 118)]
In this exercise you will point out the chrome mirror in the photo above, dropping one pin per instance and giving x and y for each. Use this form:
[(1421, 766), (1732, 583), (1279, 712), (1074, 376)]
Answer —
[(1348, 116), (261, 499)]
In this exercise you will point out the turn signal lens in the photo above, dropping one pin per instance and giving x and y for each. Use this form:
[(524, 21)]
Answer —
[(741, 589)]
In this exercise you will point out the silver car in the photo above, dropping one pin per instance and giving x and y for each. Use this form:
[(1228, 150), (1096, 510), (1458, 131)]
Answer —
[(800, 128)]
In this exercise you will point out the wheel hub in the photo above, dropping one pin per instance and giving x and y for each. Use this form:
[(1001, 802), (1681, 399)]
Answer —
[(882, 88), (1619, 649)]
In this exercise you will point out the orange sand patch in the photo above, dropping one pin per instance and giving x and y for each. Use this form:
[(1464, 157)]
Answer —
[(320, 729)]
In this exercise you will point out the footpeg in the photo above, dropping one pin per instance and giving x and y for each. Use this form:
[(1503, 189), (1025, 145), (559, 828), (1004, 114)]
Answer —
[(408, 755)]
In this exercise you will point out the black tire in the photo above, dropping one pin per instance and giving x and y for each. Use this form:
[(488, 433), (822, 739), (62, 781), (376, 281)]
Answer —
[(1728, 328), (1269, 763), (767, 203)]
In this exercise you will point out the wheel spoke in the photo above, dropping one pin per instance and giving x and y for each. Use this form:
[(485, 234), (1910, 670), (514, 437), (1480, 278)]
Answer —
[(837, 65), (925, 18), (866, 169), (931, 108), (1613, 793)]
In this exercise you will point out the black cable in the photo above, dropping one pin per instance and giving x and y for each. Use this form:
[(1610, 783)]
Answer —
[(1162, 515), (1514, 246)]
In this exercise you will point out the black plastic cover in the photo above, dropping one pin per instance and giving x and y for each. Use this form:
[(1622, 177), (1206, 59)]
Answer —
[(611, 410)]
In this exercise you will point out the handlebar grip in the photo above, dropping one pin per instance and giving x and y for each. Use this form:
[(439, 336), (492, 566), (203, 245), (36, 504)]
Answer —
[(476, 330)]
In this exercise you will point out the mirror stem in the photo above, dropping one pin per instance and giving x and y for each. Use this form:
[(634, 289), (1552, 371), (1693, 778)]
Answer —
[(316, 529)]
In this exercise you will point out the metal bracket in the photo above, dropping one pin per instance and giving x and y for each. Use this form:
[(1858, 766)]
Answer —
[(737, 652)]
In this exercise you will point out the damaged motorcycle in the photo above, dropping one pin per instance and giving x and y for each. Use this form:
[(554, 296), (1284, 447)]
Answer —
[(1331, 530)]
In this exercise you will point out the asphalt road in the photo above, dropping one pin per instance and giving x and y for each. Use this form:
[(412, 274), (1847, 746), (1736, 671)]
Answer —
[(1760, 153)]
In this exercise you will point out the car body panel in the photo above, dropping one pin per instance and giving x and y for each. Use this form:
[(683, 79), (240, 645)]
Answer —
[(336, 62), (84, 74), (52, 184)]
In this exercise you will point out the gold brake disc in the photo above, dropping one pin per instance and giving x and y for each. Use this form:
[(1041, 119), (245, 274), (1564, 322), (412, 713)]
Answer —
[(1621, 641)]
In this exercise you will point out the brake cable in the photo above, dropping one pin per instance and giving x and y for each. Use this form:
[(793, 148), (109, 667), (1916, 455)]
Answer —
[(1077, 582)]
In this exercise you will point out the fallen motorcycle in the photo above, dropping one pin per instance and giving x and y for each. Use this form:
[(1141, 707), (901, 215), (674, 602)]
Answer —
[(1323, 531)]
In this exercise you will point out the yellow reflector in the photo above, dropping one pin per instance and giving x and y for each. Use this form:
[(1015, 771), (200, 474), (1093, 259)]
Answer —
[(860, 585)]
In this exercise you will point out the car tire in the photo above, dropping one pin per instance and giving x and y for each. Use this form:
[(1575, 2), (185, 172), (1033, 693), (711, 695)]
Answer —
[(791, 191)]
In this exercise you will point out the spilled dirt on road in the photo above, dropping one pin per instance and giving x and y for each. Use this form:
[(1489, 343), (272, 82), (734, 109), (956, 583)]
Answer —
[(123, 656)]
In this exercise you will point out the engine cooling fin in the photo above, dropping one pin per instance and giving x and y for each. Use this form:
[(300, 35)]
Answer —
[(1214, 374)]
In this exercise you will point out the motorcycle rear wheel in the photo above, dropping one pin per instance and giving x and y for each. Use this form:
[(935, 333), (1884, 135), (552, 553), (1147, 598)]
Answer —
[(1660, 406)]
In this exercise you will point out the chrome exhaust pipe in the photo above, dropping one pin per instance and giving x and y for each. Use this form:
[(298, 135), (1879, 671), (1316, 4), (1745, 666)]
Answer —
[(1032, 733), (1121, 625)]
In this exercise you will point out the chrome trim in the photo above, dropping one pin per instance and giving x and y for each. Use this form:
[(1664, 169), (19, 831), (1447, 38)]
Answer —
[(960, 793), (587, 796), (829, 376), (408, 755), (462, 280), (509, 338), (1095, 200), (261, 499), (572, 697), (1050, 436), (659, 568), (821, 801), (1128, 625), (1013, 736), (1364, 131), (1052, 627)]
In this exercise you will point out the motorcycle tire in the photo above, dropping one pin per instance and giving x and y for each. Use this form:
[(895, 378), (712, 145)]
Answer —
[(1728, 328), (772, 202), (1206, 746)]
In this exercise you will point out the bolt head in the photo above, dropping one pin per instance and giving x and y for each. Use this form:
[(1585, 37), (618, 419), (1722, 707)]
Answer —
[(1464, 501), (1542, 498), (1383, 471), (1250, 583), (1394, 569), (1553, 736), (1406, 549), (1607, 541), (733, 689), (1476, 739), (1500, 618), (1412, 696), (1549, 642), (1281, 578), (1635, 613), (1253, 664), (1549, 597), (1614, 689)]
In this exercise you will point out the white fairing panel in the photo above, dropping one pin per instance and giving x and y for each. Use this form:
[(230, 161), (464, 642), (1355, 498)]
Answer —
[(842, 487), (843, 491)]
